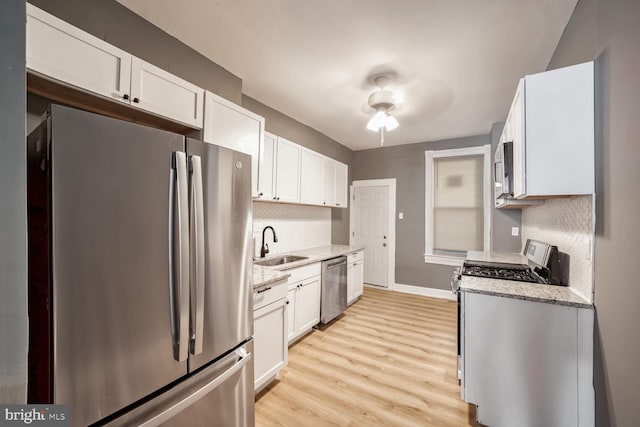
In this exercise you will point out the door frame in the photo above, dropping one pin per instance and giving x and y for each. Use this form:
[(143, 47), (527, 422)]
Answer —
[(391, 184)]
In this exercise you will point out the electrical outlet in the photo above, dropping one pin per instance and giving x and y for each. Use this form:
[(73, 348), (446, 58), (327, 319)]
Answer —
[(515, 231), (401, 215), (589, 250)]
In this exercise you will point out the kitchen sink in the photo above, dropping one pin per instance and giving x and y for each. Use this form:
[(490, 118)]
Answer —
[(281, 260)]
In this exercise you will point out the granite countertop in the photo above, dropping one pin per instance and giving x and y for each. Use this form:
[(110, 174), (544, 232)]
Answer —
[(562, 295), (263, 275)]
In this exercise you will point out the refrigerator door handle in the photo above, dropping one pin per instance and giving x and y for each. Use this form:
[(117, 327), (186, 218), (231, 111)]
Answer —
[(244, 358), (197, 239), (179, 256)]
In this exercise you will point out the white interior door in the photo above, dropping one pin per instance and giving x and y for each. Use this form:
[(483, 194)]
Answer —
[(371, 230)]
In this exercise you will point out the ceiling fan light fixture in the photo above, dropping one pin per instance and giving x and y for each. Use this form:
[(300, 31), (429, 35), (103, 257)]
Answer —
[(390, 122), (377, 121), (383, 101)]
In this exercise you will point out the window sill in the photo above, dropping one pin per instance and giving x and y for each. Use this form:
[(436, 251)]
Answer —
[(443, 260)]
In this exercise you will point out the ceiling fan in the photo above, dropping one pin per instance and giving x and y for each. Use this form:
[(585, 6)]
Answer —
[(383, 101)]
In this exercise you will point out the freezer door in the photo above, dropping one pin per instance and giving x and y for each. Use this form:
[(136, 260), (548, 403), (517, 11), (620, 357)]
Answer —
[(220, 395), (113, 322), (226, 313)]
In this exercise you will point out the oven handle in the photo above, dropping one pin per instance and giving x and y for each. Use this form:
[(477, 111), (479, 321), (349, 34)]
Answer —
[(455, 279)]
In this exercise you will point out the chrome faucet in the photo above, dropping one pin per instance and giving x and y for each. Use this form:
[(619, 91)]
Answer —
[(265, 248)]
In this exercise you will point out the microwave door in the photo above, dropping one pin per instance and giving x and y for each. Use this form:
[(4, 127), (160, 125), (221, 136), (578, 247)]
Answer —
[(507, 164), (497, 175)]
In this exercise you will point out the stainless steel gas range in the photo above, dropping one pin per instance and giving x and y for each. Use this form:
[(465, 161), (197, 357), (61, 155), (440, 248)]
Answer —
[(545, 266)]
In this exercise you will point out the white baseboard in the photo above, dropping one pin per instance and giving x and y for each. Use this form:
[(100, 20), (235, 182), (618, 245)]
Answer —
[(427, 292)]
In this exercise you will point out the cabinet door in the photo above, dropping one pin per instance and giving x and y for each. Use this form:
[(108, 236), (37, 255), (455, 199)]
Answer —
[(269, 341), (60, 51), (351, 282), (311, 177), (308, 304), (160, 92), (266, 168), (516, 129), (358, 280), (329, 182), (229, 125), (342, 185), (287, 171), (291, 313), (504, 367)]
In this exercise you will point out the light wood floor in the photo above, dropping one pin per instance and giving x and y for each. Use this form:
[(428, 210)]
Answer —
[(389, 361)]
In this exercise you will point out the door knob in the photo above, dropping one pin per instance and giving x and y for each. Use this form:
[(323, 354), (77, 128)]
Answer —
[(384, 237), (384, 244)]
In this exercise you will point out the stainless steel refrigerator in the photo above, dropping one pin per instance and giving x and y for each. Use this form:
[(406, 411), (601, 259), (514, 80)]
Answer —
[(140, 297)]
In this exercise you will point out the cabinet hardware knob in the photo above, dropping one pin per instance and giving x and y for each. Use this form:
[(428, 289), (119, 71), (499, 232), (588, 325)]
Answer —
[(260, 194), (274, 198), (278, 198), (287, 302), (384, 244), (125, 96), (136, 100), (337, 204)]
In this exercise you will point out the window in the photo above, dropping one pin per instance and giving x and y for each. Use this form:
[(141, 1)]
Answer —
[(457, 203)]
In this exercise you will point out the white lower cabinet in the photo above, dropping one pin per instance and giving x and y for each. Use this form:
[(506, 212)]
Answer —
[(304, 301), (269, 333), (526, 362), (355, 276)]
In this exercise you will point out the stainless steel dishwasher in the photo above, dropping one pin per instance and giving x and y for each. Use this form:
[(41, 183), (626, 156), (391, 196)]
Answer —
[(333, 300)]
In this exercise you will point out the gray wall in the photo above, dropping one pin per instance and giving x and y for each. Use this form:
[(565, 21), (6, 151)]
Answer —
[(114, 23), (406, 163), (285, 126), (608, 31), (13, 227)]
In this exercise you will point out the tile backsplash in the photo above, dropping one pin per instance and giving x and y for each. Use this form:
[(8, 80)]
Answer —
[(568, 224), (297, 226)]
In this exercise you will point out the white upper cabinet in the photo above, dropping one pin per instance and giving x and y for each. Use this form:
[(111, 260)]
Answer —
[(63, 53), (553, 130), (329, 182), (293, 174), (312, 187), (232, 126), (342, 185), (267, 167), (287, 171), (159, 92), (60, 51)]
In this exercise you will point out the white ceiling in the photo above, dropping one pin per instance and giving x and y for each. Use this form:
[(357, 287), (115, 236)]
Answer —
[(457, 61)]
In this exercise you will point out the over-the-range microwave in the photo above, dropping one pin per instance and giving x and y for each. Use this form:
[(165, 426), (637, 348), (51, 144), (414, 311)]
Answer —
[(503, 170)]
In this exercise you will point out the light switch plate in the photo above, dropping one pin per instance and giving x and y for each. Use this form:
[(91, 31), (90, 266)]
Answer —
[(401, 215), (515, 231)]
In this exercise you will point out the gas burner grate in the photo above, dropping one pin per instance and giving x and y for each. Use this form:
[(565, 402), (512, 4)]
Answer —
[(519, 273)]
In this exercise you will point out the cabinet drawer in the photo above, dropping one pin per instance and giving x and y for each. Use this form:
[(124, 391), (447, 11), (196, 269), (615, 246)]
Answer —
[(269, 293), (353, 257), (301, 273)]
